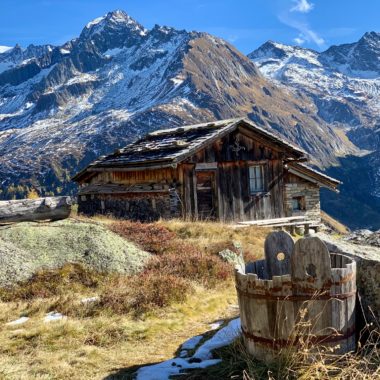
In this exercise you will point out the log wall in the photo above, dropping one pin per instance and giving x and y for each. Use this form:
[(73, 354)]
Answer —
[(231, 157), (144, 195), (132, 206)]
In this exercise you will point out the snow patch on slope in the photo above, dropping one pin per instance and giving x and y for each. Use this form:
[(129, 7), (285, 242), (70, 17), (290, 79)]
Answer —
[(201, 359), (3, 49)]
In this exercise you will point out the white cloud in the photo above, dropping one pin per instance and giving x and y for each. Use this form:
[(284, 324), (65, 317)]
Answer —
[(300, 23), (299, 40), (303, 6), (313, 36)]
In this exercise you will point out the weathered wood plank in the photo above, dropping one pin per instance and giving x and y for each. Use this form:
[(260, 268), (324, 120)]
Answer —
[(26, 210), (319, 292), (273, 221), (278, 250)]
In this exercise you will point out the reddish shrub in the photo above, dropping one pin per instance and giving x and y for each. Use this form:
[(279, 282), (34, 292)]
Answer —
[(51, 282), (192, 265), (150, 237), (140, 293)]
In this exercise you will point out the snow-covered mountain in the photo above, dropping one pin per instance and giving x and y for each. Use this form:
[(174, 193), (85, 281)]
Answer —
[(344, 81), (62, 106), (344, 85)]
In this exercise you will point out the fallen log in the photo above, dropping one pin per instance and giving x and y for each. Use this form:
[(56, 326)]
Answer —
[(30, 210)]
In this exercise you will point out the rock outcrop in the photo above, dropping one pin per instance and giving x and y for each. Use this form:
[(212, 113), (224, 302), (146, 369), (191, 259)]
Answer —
[(368, 272), (26, 248)]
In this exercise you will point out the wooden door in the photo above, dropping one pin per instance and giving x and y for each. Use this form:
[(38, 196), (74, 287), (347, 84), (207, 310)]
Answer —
[(206, 194)]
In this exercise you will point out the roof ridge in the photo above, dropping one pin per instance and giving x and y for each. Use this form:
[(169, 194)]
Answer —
[(181, 129)]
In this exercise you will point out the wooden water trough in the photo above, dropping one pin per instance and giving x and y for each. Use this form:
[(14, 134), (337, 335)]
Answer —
[(300, 296)]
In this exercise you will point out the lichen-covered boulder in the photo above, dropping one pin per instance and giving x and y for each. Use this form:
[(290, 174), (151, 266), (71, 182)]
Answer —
[(28, 247)]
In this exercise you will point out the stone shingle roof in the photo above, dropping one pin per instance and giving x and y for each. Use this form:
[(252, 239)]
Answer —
[(170, 146)]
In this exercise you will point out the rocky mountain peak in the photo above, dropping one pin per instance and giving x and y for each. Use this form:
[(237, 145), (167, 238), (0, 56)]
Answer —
[(372, 39), (270, 48), (162, 30), (359, 59), (116, 21)]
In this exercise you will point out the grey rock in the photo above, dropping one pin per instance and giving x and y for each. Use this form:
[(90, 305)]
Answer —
[(368, 272), (365, 237), (26, 248), (232, 257)]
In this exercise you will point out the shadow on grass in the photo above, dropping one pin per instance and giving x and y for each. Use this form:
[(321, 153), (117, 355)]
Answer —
[(212, 372)]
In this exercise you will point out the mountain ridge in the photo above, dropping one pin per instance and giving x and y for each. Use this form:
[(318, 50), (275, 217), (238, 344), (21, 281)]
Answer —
[(344, 84), (116, 81)]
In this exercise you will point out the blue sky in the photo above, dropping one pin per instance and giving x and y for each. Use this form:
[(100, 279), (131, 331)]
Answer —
[(247, 24)]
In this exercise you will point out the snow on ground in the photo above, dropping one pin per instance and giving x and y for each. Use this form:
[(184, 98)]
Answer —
[(19, 321), (201, 359), (191, 343), (89, 300), (162, 371), (53, 316), (222, 338), (216, 325)]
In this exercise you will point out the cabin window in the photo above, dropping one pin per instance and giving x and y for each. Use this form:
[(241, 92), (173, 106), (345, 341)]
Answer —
[(298, 204), (256, 178)]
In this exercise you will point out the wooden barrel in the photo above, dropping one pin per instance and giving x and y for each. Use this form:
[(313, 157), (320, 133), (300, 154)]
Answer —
[(300, 295)]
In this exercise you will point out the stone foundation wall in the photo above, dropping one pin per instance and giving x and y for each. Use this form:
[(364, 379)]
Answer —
[(312, 199), (139, 206)]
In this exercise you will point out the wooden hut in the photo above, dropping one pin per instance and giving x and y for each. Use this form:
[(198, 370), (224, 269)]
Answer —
[(230, 170)]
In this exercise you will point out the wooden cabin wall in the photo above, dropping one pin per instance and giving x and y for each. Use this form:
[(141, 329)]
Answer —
[(161, 197), (232, 156), (165, 175)]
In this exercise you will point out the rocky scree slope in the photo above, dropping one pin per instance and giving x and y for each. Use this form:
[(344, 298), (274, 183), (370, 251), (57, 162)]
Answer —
[(63, 106), (343, 83)]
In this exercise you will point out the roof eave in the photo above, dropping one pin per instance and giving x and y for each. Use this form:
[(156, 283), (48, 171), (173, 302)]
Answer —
[(316, 178)]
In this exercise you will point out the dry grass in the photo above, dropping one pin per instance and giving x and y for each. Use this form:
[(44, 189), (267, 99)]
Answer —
[(334, 224), (93, 347), (211, 237), (137, 319), (300, 358)]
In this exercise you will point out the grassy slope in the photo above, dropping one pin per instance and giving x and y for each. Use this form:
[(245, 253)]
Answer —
[(92, 348), (94, 341), (98, 341)]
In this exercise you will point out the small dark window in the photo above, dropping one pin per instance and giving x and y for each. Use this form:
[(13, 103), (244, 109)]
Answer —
[(298, 204), (256, 178)]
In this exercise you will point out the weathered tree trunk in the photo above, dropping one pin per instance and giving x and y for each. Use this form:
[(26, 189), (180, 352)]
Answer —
[(28, 210)]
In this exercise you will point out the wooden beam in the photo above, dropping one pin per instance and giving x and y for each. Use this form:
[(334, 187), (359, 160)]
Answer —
[(30, 210), (273, 221)]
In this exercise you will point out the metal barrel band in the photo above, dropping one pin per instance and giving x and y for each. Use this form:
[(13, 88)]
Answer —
[(317, 339), (301, 297)]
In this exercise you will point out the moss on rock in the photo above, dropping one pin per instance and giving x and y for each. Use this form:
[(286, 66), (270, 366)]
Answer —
[(27, 247)]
